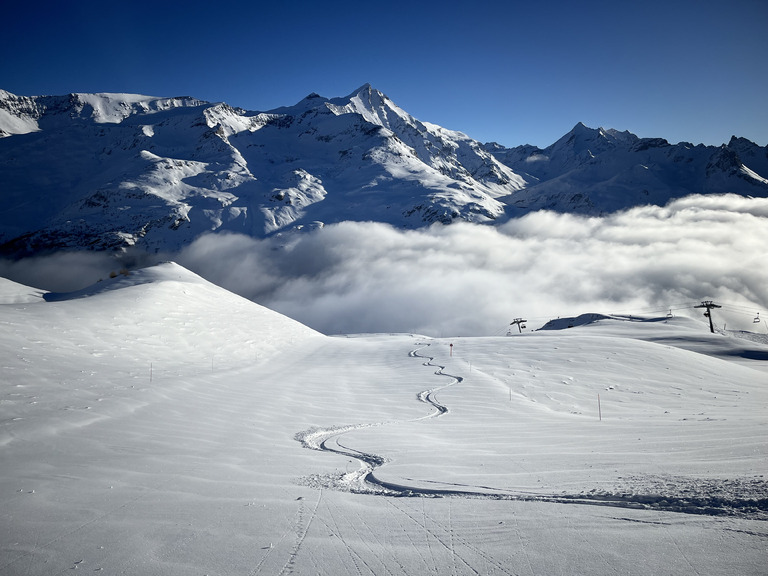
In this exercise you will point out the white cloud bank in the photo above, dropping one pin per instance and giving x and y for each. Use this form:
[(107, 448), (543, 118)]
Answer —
[(466, 279)]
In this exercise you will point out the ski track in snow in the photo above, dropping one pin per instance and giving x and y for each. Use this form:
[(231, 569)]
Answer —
[(715, 498), (363, 480)]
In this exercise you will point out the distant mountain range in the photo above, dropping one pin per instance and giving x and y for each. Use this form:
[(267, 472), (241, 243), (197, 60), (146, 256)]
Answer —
[(110, 171)]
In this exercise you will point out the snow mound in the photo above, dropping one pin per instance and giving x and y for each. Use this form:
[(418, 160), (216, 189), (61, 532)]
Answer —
[(570, 322), (163, 314), (15, 293), (164, 272), (741, 347), (592, 318)]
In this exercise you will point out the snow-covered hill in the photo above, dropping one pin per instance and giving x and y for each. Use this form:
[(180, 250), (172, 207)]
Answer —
[(156, 424), (109, 171)]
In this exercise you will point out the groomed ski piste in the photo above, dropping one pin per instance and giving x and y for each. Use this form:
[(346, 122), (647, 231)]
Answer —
[(158, 424)]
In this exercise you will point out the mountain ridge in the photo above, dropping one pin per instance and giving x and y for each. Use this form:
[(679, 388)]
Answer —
[(594, 171), (109, 171)]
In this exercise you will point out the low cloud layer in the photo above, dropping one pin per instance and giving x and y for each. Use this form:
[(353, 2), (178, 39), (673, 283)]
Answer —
[(466, 279), (473, 280)]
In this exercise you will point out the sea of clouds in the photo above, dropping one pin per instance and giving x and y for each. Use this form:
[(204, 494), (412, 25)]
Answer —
[(467, 279)]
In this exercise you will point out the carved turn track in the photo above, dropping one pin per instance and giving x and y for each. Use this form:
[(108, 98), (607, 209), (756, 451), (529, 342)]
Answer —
[(364, 480)]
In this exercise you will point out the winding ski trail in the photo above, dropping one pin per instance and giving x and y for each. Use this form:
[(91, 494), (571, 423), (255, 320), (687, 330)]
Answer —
[(364, 479)]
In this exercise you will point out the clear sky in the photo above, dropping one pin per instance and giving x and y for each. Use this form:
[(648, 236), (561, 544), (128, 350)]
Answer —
[(508, 71)]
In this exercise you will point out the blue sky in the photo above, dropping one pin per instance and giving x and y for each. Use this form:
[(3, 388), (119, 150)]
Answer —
[(508, 71)]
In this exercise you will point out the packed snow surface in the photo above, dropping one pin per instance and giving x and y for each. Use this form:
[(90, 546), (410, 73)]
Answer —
[(157, 424)]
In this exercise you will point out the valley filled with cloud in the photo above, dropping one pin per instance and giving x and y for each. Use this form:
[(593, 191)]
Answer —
[(467, 279)]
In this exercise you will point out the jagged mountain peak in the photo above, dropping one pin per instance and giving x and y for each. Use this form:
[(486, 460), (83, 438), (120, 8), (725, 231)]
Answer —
[(582, 137), (581, 128), (578, 139), (363, 89), (739, 142), (374, 106), (371, 104), (310, 102), (582, 131)]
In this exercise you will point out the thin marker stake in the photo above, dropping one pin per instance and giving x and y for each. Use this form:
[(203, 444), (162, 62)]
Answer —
[(599, 409)]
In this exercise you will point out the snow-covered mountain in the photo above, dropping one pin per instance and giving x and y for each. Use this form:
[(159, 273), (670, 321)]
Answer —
[(112, 170), (593, 171), (108, 171)]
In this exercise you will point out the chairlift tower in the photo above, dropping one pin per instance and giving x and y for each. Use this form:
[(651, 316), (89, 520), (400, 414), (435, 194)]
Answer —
[(708, 304), (519, 322)]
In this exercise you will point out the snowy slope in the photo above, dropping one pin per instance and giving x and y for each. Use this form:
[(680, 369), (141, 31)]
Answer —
[(155, 424), (15, 293), (110, 171), (594, 171)]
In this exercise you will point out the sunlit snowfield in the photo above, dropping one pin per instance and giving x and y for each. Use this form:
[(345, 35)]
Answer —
[(157, 424)]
